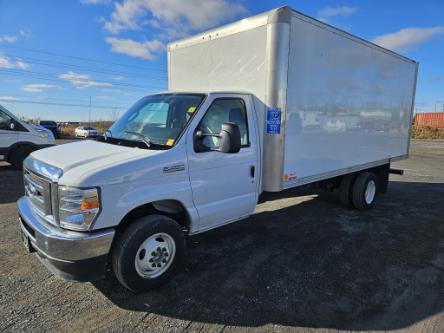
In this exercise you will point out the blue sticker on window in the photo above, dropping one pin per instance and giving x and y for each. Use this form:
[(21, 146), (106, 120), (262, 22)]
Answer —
[(274, 121)]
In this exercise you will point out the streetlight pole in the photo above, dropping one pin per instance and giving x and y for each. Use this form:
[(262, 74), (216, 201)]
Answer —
[(89, 119)]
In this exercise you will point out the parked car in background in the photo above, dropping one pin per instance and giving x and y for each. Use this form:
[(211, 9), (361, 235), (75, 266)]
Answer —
[(85, 132), (52, 126), (18, 139)]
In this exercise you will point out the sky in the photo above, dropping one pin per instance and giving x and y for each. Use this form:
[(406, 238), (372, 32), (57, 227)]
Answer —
[(57, 57)]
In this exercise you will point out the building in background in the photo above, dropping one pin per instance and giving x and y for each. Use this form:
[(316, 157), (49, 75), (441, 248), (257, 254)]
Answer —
[(432, 119)]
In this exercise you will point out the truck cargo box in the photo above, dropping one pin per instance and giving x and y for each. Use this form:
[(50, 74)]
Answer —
[(329, 103)]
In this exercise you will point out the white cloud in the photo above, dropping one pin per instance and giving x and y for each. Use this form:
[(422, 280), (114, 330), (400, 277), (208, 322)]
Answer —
[(37, 87), (145, 50), (82, 80), (173, 19), (8, 39), (118, 78), (177, 14), (6, 62), (14, 38), (7, 98), (343, 11), (408, 38), (25, 33)]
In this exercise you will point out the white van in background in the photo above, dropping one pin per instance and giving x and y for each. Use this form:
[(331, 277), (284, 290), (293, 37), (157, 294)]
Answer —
[(18, 139)]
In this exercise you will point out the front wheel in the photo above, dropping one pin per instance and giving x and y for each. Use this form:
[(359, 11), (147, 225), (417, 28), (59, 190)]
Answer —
[(148, 253)]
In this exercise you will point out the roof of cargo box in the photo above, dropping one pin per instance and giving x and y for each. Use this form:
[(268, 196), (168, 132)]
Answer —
[(277, 15), (204, 92)]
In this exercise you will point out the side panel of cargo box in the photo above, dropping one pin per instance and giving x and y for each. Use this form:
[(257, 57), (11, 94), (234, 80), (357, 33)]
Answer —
[(349, 103)]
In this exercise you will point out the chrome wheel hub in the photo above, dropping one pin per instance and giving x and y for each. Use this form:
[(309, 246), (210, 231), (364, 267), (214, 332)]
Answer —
[(370, 192), (155, 255)]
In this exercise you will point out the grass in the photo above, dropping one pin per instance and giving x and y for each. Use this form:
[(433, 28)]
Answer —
[(427, 132)]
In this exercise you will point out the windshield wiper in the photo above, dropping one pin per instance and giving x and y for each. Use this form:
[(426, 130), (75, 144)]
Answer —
[(143, 137)]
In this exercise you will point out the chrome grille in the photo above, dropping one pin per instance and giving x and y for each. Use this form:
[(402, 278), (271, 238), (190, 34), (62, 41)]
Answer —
[(38, 190), (41, 187)]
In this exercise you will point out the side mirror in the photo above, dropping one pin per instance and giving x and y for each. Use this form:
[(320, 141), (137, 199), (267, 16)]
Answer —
[(230, 140), (11, 125)]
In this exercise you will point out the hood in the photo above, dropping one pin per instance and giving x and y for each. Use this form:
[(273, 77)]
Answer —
[(40, 128), (88, 155)]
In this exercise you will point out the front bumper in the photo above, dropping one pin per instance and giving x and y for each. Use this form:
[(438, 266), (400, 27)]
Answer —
[(72, 255)]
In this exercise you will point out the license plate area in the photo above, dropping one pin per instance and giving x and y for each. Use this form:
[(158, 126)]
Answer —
[(26, 241)]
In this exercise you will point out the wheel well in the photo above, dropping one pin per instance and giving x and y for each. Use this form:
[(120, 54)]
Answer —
[(171, 208), (17, 146), (381, 172)]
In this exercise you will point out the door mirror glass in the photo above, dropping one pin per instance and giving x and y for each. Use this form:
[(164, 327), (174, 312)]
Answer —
[(12, 125), (230, 138)]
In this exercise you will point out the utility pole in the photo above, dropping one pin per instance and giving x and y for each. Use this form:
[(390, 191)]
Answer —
[(89, 119)]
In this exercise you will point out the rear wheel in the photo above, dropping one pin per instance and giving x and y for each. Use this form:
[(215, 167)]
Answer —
[(18, 155), (148, 253), (365, 190), (345, 190)]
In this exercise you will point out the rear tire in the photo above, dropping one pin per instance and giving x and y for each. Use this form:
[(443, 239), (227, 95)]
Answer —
[(148, 253), (345, 190), (18, 155), (365, 190)]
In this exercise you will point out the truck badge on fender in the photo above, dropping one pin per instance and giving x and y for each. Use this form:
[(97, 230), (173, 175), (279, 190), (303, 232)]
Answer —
[(174, 168)]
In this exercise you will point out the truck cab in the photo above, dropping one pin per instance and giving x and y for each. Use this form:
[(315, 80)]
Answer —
[(18, 139), (188, 162)]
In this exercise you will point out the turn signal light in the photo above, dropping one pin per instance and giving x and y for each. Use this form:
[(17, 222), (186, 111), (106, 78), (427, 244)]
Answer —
[(89, 205)]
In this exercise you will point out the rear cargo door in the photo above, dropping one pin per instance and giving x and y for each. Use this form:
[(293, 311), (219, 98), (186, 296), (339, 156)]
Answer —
[(224, 185)]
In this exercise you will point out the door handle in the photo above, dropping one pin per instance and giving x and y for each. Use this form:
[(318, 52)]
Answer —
[(252, 171)]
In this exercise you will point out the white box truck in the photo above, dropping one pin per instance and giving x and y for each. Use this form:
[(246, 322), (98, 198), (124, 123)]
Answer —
[(268, 103)]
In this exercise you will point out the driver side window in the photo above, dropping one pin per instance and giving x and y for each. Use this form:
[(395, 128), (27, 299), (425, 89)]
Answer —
[(224, 110), (5, 121)]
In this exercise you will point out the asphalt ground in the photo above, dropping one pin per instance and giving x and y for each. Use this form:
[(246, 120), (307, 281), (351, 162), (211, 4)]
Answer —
[(301, 263)]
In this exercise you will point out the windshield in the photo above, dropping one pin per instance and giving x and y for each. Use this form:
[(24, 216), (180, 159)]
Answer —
[(158, 119)]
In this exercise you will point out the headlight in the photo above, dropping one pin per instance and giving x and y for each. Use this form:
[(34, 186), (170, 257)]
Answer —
[(45, 134), (78, 207)]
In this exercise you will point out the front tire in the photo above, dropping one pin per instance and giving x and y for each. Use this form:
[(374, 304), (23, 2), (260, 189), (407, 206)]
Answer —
[(148, 253), (365, 190)]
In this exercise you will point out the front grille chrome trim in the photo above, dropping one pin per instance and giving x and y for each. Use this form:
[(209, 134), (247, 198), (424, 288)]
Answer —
[(40, 180)]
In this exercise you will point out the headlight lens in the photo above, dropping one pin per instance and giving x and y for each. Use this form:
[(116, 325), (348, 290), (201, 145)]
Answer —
[(78, 208), (45, 134)]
